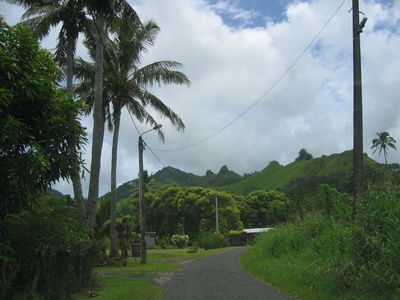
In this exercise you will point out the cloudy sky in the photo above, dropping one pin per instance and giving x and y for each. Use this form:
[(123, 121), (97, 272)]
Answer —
[(248, 104)]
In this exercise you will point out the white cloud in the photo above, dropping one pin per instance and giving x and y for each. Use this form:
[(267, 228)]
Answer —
[(230, 68)]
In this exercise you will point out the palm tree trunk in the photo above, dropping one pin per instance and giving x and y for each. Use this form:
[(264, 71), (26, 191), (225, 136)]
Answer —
[(98, 126), (76, 181), (113, 208)]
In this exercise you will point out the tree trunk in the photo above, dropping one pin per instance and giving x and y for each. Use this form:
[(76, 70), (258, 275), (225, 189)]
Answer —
[(98, 126), (35, 282), (75, 178), (113, 208)]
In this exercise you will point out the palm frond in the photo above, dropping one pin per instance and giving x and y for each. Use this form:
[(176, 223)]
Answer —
[(163, 109), (161, 72)]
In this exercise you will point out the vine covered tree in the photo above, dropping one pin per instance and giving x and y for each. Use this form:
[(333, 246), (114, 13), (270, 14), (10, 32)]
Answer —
[(382, 143)]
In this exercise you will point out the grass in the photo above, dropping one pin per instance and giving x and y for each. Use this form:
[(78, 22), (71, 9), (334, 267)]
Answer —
[(276, 176), (304, 260), (159, 261), (118, 288)]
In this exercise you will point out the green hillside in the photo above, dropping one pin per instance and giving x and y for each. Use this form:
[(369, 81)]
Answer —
[(173, 176), (335, 170), (332, 169)]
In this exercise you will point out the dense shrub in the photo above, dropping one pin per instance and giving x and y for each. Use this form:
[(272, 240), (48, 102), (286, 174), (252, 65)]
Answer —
[(52, 254), (334, 256), (374, 255), (211, 240), (180, 240), (236, 238)]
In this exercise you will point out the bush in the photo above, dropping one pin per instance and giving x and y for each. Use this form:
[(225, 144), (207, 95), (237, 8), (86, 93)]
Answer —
[(211, 240), (164, 242), (375, 265), (52, 253), (194, 248), (180, 240), (236, 238), (334, 257)]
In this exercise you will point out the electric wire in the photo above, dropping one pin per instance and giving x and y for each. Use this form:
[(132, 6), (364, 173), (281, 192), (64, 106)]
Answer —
[(154, 154), (259, 99), (133, 121)]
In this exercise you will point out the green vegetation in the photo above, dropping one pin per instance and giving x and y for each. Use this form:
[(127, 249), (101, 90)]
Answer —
[(119, 288), (304, 155), (42, 245), (173, 176), (335, 170), (330, 256)]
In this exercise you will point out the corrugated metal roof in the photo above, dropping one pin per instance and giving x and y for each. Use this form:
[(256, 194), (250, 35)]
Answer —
[(256, 230)]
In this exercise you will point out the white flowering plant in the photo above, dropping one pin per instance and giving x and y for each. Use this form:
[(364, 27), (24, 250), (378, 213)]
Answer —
[(180, 240)]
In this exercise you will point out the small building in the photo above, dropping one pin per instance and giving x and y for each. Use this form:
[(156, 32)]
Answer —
[(150, 240), (251, 233), (256, 230)]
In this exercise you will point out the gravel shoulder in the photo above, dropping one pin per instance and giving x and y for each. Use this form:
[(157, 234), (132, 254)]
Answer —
[(218, 276)]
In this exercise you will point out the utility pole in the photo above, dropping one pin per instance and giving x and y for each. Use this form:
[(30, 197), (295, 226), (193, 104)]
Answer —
[(143, 250), (357, 108), (142, 214), (216, 214)]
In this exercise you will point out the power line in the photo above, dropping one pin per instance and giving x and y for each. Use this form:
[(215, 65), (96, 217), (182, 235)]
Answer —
[(154, 154), (259, 99), (133, 121)]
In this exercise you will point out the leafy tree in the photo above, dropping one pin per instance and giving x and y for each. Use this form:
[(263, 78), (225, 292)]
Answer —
[(40, 143), (382, 143), (71, 15), (262, 208), (191, 211), (304, 155), (41, 135)]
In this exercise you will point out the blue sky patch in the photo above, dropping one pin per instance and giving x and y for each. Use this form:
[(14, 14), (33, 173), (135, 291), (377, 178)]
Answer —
[(256, 13)]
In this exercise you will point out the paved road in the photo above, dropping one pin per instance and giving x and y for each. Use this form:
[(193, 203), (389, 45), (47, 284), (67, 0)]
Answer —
[(219, 277)]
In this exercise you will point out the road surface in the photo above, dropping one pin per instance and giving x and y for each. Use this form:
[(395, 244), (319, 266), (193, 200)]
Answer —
[(219, 277)]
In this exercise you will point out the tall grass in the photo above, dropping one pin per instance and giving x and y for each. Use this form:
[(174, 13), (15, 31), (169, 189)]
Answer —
[(325, 257)]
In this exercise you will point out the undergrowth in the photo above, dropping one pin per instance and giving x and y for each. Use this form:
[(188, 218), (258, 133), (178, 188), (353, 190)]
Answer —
[(328, 257)]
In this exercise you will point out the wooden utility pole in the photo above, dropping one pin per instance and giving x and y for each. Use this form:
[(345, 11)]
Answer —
[(357, 112), (143, 250), (216, 214)]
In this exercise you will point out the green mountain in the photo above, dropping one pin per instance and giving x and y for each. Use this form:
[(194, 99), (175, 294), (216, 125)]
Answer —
[(170, 175), (173, 176), (335, 170)]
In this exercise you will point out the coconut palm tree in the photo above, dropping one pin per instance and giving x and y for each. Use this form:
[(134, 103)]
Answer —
[(382, 143), (125, 85), (41, 16), (102, 12)]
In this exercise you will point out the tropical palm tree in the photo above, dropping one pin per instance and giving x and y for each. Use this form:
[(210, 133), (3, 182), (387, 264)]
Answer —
[(382, 143), (102, 12), (125, 85), (41, 16)]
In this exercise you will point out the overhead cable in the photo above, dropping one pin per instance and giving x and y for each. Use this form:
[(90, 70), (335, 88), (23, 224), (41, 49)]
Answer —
[(259, 99)]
